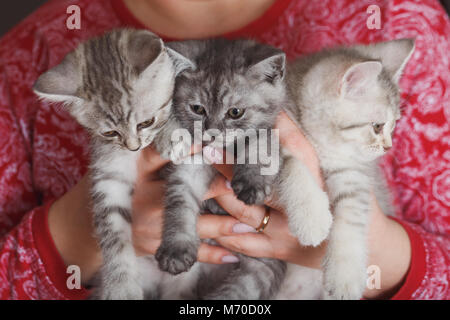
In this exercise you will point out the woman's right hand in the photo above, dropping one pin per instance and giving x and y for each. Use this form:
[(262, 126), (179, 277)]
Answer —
[(147, 219)]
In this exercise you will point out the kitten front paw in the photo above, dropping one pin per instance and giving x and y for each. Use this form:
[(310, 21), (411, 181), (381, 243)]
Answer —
[(176, 257), (344, 279), (250, 192), (312, 225)]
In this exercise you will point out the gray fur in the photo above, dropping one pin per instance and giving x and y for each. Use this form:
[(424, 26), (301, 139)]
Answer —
[(227, 74), (340, 94), (116, 82)]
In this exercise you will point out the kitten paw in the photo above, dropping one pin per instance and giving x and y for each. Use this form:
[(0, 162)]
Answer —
[(176, 257), (312, 225), (249, 192), (344, 280)]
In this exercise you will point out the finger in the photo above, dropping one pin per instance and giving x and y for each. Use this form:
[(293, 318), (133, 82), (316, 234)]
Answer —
[(150, 160), (145, 248), (251, 244), (212, 226), (218, 159), (251, 215), (146, 190), (206, 253), (218, 187), (292, 138), (225, 169), (149, 227), (215, 254), (290, 134)]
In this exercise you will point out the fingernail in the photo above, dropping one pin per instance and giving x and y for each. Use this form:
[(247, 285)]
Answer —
[(243, 228), (230, 259), (228, 184), (212, 155)]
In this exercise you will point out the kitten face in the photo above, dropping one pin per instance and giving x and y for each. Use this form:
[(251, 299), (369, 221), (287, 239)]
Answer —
[(354, 93), (119, 86), (131, 125), (366, 119), (225, 104), (128, 114), (230, 90)]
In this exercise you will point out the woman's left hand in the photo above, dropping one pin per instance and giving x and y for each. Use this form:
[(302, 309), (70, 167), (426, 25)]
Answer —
[(277, 242)]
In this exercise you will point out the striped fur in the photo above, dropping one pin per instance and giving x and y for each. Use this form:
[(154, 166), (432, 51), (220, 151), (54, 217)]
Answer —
[(115, 83)]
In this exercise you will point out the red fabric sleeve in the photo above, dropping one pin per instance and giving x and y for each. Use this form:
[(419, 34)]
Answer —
[(30, 265), (429, 270), (417, 267), (51, 258)]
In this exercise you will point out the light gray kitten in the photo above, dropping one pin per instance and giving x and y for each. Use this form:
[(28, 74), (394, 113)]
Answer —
[(119, 87), (347, 103), (236, 84)]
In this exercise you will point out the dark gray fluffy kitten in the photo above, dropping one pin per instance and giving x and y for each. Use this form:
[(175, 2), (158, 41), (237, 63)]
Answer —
[(235, 85)]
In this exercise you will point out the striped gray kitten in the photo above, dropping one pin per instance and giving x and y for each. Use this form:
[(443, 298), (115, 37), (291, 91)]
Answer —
[(236, 84), (119, 87), (347, 103)]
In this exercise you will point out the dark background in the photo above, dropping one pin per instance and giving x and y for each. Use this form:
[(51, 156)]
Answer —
[(13, 11)]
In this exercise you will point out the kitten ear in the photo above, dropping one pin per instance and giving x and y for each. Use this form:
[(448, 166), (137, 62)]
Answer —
[(359, 77), (394, 55), (60, 83), (143, 48), (179, 61), (269, 69)]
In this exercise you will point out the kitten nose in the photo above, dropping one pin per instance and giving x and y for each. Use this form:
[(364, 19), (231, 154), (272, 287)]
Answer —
[(136, 149), (211, 125), (133, 144)]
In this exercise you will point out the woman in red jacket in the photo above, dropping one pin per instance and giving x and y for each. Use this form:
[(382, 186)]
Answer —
[(44, 204)]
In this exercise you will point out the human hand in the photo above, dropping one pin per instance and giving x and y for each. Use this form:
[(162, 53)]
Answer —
[(70, 218), (277, 242), (148, 208), (71, 227)]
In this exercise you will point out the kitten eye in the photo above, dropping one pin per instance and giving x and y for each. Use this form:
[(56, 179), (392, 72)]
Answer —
[(110, 134), (198, 109), (236, 113), (377, 127), (145, 124)]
